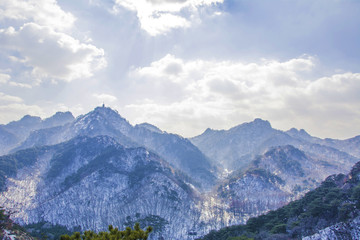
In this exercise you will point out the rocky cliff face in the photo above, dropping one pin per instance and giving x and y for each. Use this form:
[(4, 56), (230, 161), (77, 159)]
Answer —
[(340, 231)]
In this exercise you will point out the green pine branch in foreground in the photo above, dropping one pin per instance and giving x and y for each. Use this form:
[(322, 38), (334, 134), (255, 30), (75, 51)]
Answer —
[(114, 234)]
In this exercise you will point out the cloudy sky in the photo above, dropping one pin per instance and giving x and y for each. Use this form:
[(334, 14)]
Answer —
[(185, 65)]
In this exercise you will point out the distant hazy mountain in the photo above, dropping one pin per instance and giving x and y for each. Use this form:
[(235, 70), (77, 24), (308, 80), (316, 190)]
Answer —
[(236, 147), (13, 133), (351, 145), (94, 182)]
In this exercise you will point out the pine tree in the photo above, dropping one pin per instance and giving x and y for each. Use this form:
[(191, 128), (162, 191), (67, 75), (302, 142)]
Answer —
[(113, 234)]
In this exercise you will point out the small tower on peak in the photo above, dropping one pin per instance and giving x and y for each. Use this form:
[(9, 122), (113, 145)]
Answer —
[(103, 105)]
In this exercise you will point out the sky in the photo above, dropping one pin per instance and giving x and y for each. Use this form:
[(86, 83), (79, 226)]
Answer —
[(185, 65)]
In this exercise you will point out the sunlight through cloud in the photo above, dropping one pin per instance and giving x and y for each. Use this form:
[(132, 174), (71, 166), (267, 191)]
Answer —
[(160, 16)]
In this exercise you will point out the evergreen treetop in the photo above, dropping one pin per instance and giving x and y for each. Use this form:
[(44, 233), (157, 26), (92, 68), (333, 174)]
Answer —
[(113, 234)]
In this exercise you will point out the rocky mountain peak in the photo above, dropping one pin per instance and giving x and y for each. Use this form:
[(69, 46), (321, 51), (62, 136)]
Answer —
[(29, 118), (58, 119), (106, 111), (102, 117), (294, 132), (261, 122), (209, 132), (258, 125), (63, 115), (26, 121)]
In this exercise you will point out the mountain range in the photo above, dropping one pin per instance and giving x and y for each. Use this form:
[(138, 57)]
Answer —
[(98, 169)]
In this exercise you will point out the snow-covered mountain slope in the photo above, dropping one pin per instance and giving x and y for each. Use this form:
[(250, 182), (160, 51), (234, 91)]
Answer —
[(94, 182), (266, 168), (179, 152), (273, 179), (331, 211)]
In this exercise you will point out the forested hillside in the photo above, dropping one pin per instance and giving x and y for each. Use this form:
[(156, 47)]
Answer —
[(336, 200)]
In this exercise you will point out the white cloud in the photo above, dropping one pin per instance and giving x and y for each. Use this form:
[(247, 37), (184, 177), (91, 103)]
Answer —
[(42, 12), (17, 110), (342, 88), (213, 79), (163, 23), (37, 35), (169, 67), (4, 78), (4, 98), (160, 16), (52, 54), (105, 98), (220, 94), (22, 85)]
